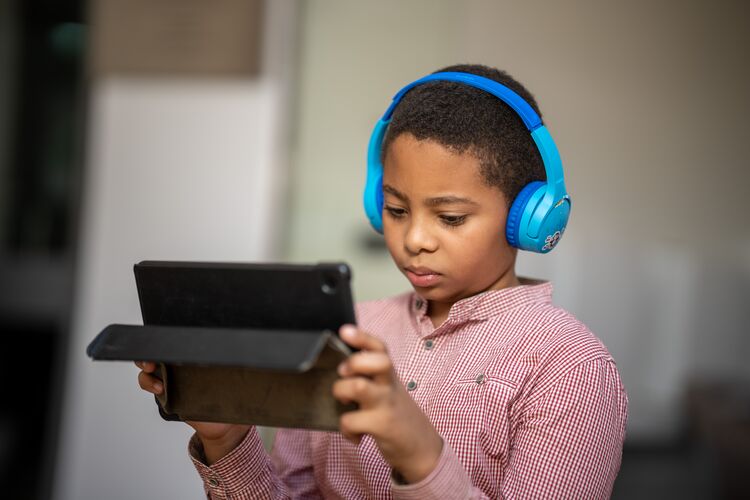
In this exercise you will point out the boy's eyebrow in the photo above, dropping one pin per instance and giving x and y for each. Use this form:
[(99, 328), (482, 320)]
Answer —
[(431, 202), (395, 192), (449, 200)]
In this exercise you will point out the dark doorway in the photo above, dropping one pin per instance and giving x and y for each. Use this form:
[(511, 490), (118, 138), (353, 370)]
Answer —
[(42, 109)]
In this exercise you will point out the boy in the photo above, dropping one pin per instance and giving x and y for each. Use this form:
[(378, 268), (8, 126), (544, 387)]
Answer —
[(473, 386)]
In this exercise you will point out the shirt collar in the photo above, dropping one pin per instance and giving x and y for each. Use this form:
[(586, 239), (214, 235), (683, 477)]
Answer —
[(491, 303)]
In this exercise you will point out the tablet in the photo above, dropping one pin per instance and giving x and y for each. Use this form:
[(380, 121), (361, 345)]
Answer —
[(240, 343), (237, 295)]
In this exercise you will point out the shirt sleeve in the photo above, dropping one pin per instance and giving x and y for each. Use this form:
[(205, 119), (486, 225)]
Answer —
[(293, 461), (447, 480), (248, 472), (569, 442)]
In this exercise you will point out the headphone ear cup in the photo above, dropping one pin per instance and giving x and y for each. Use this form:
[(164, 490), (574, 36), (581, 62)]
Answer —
[(373, 200), (373, 196), (553, 226), (513, 228), (379, 204)]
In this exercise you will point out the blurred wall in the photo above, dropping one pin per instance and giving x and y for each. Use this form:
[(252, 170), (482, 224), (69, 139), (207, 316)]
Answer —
[(177, 169), (647, 102)]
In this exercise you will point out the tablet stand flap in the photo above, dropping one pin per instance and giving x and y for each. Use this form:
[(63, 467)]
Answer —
[(260, 349), (261, 397)]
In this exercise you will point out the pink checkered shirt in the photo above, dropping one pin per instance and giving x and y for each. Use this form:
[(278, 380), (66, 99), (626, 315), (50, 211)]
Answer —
[(528, 401)]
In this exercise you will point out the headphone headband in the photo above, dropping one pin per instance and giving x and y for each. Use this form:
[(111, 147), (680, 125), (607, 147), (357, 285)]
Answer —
[(530, 118)]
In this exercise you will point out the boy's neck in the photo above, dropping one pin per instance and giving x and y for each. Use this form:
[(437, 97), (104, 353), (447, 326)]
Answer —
[(438, 311)]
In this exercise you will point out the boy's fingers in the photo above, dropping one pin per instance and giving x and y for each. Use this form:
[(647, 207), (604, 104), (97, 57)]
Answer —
[(360, 339), (351, 389), (367, 363), (357, 423), (358, 389), (146, 366), (150, 383)]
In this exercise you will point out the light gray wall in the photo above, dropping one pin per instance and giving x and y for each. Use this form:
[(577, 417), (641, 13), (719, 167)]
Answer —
[(648, 104), (353, 58), (178, 169)]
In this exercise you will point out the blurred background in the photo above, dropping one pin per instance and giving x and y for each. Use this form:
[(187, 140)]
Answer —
[(236, 130)]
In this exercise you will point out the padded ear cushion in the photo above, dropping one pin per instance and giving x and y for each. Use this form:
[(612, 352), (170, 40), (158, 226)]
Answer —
[(373, 199), (513, 224), (379, 202), (373, 196)]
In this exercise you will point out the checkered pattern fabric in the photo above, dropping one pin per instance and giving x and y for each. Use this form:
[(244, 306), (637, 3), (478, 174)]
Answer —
[(528, 401)]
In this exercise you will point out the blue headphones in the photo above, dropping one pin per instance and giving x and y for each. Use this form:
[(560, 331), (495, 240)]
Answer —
[(539, 214)]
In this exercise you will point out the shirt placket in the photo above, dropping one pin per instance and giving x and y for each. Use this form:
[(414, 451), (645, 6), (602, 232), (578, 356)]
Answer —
[(423, 353)]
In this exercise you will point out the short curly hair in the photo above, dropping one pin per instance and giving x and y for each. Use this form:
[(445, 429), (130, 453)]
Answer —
[(466, 119)]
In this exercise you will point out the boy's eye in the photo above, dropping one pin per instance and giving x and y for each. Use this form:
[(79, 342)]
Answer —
[(453, 220), (395, 212)]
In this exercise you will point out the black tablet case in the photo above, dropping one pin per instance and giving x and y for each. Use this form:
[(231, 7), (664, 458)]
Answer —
[(240, 343)]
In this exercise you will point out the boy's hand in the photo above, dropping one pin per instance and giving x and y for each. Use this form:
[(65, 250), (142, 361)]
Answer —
[(218, 439), (404, 435)]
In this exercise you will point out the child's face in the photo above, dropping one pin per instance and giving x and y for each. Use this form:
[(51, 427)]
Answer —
[(443, 225)]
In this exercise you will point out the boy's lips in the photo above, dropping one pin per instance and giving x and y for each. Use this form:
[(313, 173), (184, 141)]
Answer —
[(422, 276)]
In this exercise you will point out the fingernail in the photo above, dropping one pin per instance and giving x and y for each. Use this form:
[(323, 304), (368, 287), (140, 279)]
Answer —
[(341, 370), (348, 331), (158, 387)]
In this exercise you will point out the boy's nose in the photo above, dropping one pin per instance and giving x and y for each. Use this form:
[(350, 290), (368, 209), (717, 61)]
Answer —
[(419, 238)]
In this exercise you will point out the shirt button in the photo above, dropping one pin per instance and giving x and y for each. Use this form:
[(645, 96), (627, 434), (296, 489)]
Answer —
[(418, 303), (213, 482), (411, 385), (428, 344), (480, 379)]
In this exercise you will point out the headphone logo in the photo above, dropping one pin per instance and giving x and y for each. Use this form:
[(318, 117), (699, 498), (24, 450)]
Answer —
[(551, 241)]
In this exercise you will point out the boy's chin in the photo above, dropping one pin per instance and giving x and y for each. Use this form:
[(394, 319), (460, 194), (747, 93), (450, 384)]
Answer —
[(444, 294), (436, 294)]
